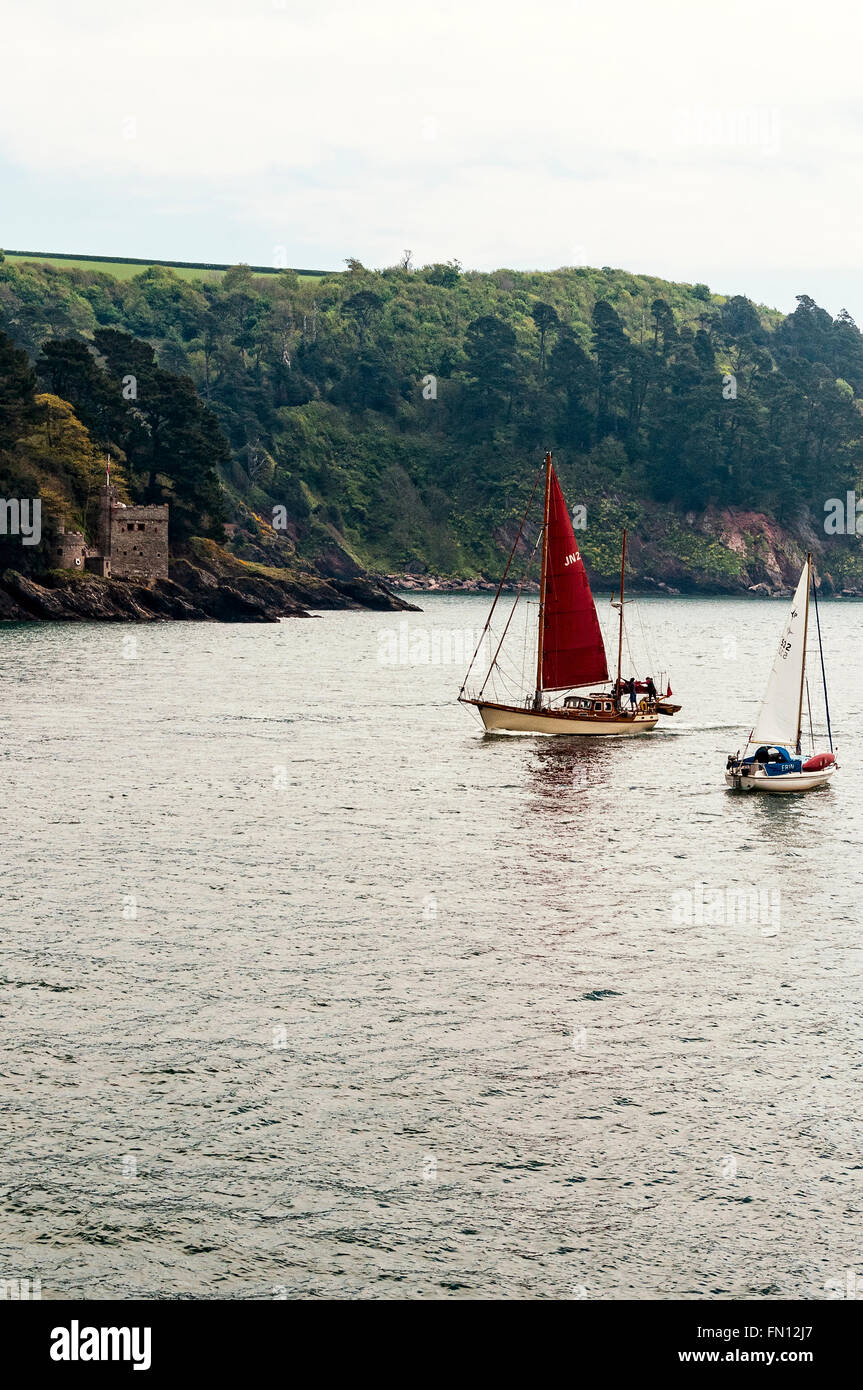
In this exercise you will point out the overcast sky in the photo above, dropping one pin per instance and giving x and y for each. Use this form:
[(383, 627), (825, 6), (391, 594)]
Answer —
[(721, 143)]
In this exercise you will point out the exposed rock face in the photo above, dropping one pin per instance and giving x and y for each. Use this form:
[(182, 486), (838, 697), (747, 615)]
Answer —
[(194, 593), (769, 554)]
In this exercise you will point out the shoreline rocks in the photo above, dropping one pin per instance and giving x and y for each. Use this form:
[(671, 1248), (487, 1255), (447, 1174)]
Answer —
[(193, 594), (445, 584)]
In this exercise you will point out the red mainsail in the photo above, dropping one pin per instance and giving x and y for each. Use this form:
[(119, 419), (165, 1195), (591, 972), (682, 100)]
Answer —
[(573, 652)]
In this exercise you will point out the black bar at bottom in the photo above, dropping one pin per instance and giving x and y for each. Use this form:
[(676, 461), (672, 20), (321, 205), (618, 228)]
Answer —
[(168, 1338)]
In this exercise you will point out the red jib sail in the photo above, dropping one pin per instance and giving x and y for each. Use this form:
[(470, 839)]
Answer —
[(573, 652)]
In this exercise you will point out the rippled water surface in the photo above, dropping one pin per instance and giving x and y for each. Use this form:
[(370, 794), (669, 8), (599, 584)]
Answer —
[(309, 989)]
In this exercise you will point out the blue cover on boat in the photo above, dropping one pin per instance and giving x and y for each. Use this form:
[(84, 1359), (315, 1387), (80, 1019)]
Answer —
[(776, 768)]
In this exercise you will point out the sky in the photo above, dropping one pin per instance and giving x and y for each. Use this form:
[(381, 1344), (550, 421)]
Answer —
[(721, 143)]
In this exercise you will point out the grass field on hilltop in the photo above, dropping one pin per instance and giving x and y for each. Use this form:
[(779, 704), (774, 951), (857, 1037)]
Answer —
[(125, 270)]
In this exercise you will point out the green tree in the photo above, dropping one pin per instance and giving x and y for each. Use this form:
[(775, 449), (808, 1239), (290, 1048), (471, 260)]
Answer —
[(546, 319), (363, 307), (18, 409), (491, 372), (612, 350)]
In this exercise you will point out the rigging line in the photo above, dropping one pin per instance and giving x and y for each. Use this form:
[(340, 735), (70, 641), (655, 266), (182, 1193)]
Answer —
[(644, 644), (648, 646), (503, 580), (505, 670), (508, 668), (509, 654), (512, 610), (632, 664), (823, 672), (529, 632), (513, 690), (505, 676), (525, 627)]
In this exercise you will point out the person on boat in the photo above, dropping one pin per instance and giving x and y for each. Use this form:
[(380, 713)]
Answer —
[(651, 689), (630, 686)]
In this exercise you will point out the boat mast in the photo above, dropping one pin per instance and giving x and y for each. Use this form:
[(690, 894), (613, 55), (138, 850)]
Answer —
[(803, 662), (620, 630), (823, 672), (537, 699)]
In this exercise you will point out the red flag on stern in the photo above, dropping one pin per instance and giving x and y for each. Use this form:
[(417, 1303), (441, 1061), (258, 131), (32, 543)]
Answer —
[(573, 652)]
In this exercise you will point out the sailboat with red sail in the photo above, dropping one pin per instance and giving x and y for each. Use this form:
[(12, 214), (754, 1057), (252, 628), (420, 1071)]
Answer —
[(570, 651)]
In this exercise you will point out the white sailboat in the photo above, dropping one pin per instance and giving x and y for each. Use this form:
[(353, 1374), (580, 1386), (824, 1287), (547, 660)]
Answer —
[(770, 766), (570, 652)]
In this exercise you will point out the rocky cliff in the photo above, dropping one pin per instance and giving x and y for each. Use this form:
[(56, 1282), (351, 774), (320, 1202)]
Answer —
[(208, 584)]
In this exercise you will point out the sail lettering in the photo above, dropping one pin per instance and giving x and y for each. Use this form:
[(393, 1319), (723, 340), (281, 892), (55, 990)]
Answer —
[(571, 559)]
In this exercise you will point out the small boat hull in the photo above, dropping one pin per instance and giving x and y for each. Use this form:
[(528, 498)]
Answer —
[(666, 707), (789, 782), (510, 719)]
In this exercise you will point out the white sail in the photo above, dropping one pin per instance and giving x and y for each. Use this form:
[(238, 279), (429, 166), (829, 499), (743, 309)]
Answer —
[(778, 717)]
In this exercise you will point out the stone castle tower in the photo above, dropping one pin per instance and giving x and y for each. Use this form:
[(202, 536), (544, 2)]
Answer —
[(132, 541)]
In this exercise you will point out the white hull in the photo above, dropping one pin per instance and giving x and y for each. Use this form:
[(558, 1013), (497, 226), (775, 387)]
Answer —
[(789, 782), (499, 719)]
